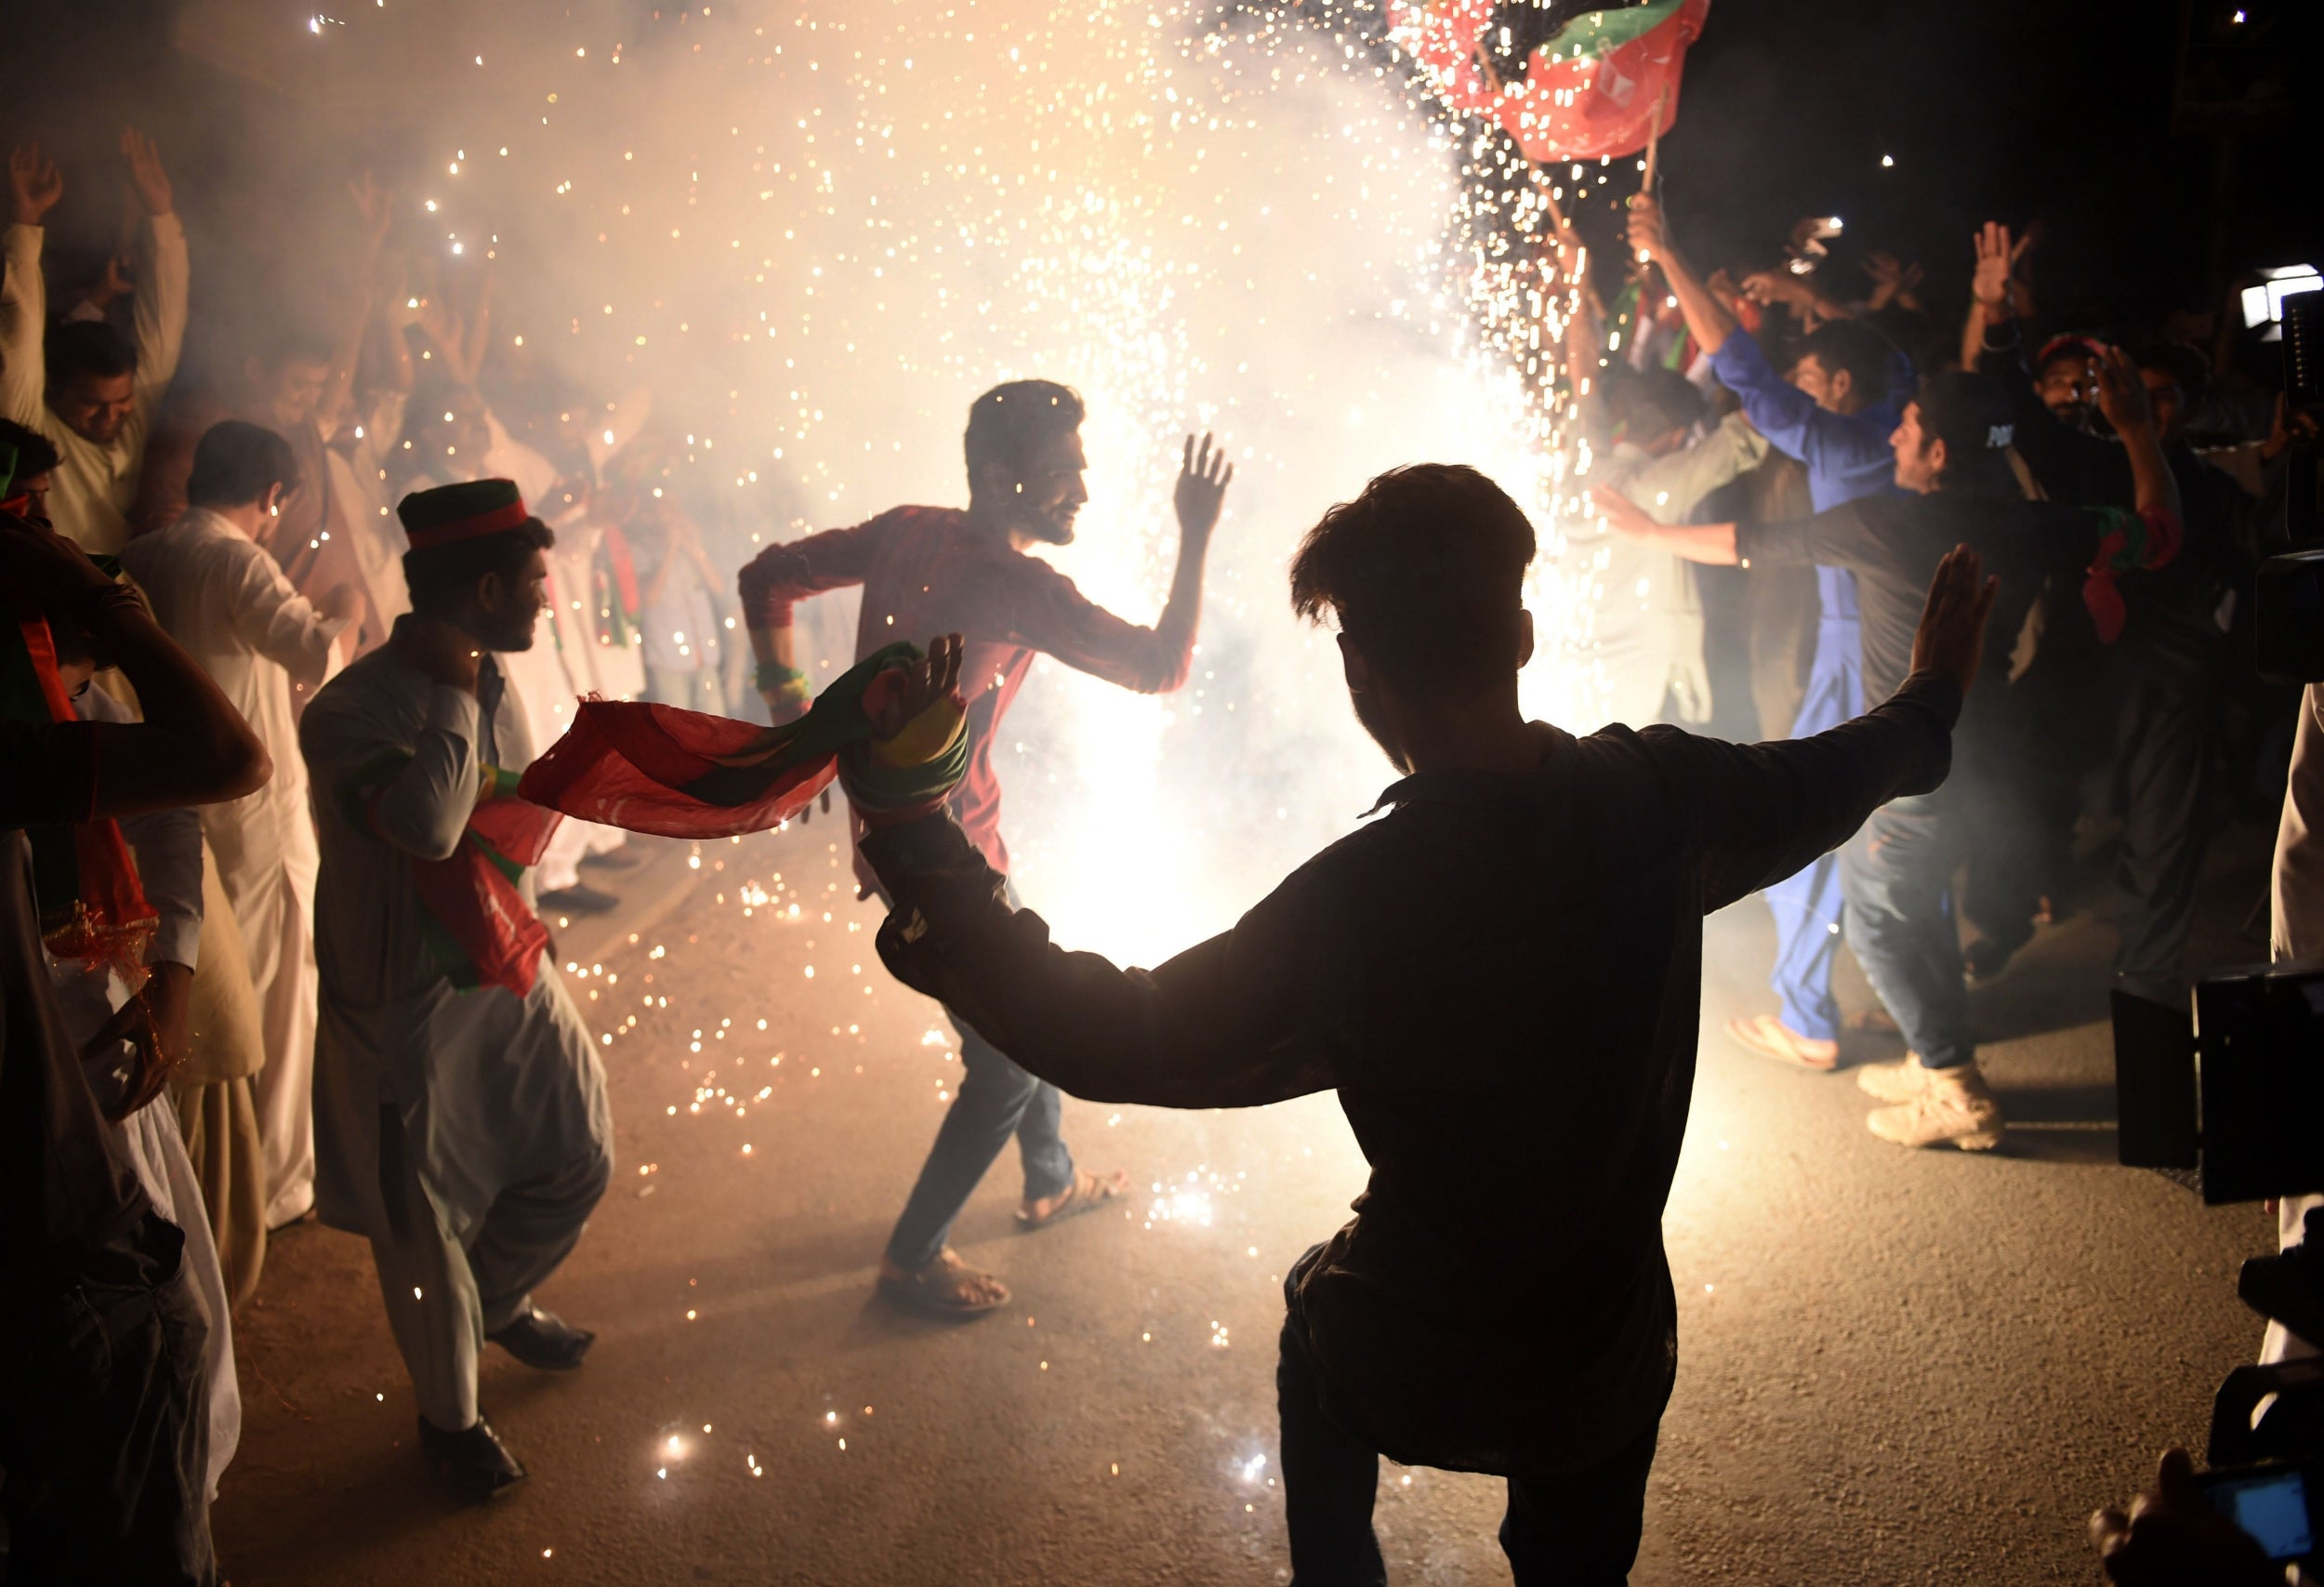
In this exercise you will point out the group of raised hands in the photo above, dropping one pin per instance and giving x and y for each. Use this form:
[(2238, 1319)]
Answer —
[(35, 183)]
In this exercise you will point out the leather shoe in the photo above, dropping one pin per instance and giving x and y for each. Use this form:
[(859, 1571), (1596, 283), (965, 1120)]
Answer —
[(473, 1462), (580, 899), (543, 1341)]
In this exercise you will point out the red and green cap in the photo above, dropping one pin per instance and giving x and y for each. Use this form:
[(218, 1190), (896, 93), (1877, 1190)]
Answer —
[(449, 514)]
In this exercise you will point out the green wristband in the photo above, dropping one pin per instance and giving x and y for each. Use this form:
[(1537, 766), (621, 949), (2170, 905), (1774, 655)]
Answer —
[(789, 682)]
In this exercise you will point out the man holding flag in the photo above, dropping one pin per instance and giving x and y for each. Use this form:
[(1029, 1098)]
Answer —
[(460, 1114)]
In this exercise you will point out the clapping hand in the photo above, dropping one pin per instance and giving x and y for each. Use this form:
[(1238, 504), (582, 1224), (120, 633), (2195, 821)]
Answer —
[(1202, 482)]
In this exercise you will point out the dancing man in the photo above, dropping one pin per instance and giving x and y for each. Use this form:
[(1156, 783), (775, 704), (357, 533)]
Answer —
[(931, 570), (460, 1114), (1502, 1301)]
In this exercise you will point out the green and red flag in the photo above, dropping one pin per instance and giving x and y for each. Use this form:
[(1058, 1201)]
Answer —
[(1596, 83)]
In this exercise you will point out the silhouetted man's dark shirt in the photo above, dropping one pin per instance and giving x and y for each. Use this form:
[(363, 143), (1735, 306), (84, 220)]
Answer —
[(1501, 980)]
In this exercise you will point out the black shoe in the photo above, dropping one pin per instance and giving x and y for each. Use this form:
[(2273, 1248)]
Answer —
[(580, 899), (475, 1463), (544, 1342), (616, 859)]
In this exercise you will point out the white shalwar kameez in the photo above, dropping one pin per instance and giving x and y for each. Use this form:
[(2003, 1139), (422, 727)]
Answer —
[(464, 1133), (2297, 932), (231, 605)]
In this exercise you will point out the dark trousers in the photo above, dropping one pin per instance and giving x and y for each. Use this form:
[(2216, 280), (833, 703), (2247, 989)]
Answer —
[(1897, 875), (997, 1100), (1579, 1529), (2162, 787), (104, 1417)]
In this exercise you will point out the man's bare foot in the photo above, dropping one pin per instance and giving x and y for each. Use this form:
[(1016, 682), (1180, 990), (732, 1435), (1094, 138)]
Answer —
[(947, 1286), (1086, 1192)]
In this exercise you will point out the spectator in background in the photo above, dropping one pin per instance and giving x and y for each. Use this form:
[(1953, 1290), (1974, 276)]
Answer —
[(298, 382), (1835, 412), (82, 385), (104, 1428), (229, 604), (2163, 683), (1644, 637), (678, 607), (1956, 488)]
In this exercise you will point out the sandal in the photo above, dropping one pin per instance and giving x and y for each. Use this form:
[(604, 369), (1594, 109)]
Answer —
[(1764, 1036), (941, 1289), (1086, 1192)]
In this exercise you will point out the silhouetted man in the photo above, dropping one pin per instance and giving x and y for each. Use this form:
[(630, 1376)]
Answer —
[(1502, 1302)]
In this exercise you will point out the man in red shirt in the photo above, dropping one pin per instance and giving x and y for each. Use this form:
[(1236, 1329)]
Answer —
[(930, 570)]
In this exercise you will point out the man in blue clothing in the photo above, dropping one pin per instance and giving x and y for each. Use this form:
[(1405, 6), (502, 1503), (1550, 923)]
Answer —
[(1835, 413)]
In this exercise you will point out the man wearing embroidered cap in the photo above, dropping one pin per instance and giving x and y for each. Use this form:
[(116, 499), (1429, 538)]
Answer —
[(460, 1113)]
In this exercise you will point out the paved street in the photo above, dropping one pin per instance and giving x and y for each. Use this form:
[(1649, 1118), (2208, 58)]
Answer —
[(1893, 1367)]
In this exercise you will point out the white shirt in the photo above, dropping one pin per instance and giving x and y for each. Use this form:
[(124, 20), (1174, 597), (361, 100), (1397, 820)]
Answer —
[(229, 604), (94, 486)]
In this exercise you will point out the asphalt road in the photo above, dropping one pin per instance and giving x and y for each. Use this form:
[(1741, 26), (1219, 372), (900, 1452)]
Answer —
[(1893, 1366)]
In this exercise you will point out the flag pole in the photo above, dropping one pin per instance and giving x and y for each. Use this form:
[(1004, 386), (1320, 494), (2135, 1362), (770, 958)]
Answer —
[(1654, 139)]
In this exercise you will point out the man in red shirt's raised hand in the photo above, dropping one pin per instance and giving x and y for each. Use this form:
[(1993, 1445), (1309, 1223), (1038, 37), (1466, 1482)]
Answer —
[(932, 570)]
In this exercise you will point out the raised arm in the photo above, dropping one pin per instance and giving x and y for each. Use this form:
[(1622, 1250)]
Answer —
[(1769, 809), (1710, 542), (2122, 398), (193, 747), (1048, 613), (1706, 318), (279, 624), (160, 309), (34, 185)]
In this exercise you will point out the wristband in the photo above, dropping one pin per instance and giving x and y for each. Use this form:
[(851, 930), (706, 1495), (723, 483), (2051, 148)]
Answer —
[(774, 678)]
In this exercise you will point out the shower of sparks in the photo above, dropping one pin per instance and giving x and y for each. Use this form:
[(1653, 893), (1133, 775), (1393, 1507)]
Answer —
[(819, 235)]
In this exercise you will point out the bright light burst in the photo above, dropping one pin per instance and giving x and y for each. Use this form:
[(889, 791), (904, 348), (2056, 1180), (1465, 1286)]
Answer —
[(822, 233)]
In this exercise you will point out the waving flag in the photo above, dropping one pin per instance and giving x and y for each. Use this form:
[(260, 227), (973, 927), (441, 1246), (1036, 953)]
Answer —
[(1601, 83)]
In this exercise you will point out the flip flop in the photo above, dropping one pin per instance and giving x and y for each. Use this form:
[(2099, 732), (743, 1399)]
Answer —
[(936, 1291), (1087, 1194), (1764, 1036)]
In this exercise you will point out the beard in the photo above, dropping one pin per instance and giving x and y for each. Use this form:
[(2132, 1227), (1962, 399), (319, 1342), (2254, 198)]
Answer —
[(1050, 531)]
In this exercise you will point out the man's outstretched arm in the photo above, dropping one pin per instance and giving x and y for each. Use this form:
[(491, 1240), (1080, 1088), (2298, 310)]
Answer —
[(773, 582), (1216, 1026)]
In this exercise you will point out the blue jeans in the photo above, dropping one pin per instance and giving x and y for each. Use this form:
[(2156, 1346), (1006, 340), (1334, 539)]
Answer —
[(1898, 876), (995, 1100), (1807, 906), (1576, 1530)]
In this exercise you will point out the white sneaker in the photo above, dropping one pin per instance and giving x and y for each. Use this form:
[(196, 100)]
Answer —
[(1893, 1082), (1949, 1107)]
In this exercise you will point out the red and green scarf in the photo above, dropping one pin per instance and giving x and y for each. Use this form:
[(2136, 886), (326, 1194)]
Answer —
[(652, 768), (92, 908), (474, 921)]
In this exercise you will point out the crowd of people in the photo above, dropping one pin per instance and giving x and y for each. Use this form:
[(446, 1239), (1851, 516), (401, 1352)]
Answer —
[(286, 631)]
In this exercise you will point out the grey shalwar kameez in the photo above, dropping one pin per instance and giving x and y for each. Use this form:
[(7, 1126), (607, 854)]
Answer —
[(464, 1133)]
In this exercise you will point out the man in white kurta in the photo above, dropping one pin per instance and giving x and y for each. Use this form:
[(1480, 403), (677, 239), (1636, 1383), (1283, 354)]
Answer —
[(464, 1133), (227, 602), (2297, 932), (100, 410)]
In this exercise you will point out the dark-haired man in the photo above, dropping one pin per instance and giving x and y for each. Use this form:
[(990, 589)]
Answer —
[(1951, 462), (460, 1114), (220, 593), (1501, 1302), (2165, 681), (82, 385), (1834, 413), (931, 570)]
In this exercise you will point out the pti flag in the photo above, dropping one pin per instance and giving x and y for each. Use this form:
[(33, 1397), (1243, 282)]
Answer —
[(1565, 85)]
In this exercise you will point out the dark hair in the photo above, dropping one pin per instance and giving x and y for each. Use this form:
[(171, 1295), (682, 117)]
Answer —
[(1653, 401), (88, 347), (1973, 415), (1008, 424), (441, 575), (35, 453), (1425, 571), (2188, 369), (235, 461), (1859, 349)]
